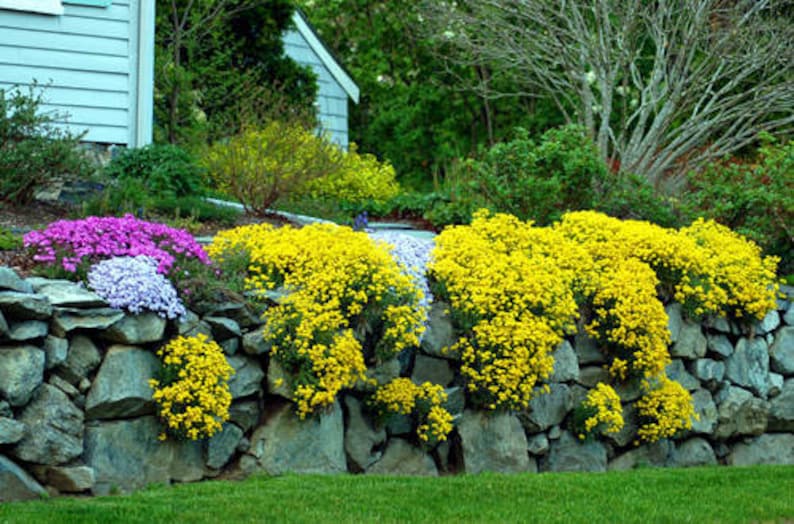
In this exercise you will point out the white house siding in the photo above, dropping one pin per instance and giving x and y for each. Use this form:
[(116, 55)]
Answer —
[(331, 97), (87, 62)]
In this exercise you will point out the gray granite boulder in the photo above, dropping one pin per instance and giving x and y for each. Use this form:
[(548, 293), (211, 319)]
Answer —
[(137, 329), (766, 449), (121, 387), (68, 294), (254, 342), (493, 441), (66, 320), (781, 409), (362, 440), (782, 351), (16, 484), (748, 366), (54, 433), (247, 378), (82, 359), (70, 479), (549, 409), (720, 345), (691, 342), (433, 370), (222, 445), (401, 458), (739, 413), (126, 454), (223, 328), (25, 305), (56, 350), (706, 411), (28, 330), (21, 372), (570, 454), (286, 444), (440, 333), (693, 452), (566, 363), (11, 431), (10, 281)]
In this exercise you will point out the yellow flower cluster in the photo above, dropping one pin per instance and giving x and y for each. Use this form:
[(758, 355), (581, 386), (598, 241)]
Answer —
[(515, 291), (666, 409), (192, 394), (343, 289), (510, 287), (424, 402), (604, 404), (710, 269), (628, 318)]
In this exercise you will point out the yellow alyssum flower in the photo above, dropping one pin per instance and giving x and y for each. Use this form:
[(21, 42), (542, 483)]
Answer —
[(424, 402), (337, 280), (608, 412), (193, 399)]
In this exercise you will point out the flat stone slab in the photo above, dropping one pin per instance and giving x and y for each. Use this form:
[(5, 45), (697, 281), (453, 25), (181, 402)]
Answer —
[(25, 305), (69, 294)]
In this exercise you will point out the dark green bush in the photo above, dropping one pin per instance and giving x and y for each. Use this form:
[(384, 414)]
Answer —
[(754, 198), (165, 171), (631, 196), (33, 151), (540, 181)]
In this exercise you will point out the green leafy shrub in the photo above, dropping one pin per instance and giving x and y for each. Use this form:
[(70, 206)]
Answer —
[(629, 196), (540, 181), (33, 151), (259, 166), (8, 240), (755, 199), (165, 171)]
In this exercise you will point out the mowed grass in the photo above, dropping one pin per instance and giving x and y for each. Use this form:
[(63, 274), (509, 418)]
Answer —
[(757, 494)]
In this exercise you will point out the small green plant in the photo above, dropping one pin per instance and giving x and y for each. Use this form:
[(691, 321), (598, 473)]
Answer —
[(8, 240), (33, 150), (165, 171)]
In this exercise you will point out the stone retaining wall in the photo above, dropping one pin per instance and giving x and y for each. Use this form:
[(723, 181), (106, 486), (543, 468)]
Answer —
[(76, 414)]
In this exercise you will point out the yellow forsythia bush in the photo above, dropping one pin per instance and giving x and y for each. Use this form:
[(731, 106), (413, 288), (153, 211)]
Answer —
[(341, 288), (424, 402), (192, 392), (361, 178)]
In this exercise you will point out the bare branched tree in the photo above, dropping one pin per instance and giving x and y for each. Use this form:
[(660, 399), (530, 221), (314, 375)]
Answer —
[(661, 86)]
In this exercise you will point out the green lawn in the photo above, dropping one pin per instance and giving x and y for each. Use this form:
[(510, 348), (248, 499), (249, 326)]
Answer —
[(759, 494)]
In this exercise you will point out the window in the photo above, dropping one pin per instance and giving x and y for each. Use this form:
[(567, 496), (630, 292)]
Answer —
[(49, 7)]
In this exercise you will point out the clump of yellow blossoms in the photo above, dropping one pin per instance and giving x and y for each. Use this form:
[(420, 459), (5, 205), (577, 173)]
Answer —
[(664, 410), (192, 394), (516, 290), (512, 300), (423, 402), (604, 411), (348, 302)]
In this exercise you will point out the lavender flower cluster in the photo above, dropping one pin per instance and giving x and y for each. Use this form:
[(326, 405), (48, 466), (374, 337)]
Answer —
[(133, 284), (74, 243), (412, 255)]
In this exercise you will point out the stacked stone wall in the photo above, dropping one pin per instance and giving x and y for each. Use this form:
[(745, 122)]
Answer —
[(77, 416)]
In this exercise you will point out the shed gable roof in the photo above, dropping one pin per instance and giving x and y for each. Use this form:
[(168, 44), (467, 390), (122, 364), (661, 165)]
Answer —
[(324, 54)]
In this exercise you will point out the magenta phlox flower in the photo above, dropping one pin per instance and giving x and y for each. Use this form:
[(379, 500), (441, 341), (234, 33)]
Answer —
[(74, 243), (134, 285)]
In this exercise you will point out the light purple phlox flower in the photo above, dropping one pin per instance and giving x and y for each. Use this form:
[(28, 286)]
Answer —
[(134, 285)]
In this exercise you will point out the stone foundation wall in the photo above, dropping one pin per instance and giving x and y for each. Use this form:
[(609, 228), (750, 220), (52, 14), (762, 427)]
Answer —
[(76, 413)]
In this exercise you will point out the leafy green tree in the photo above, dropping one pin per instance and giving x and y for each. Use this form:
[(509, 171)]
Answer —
[(216, 61), (411, 110)]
